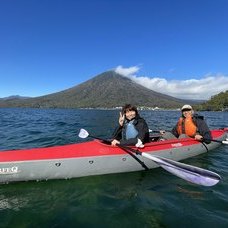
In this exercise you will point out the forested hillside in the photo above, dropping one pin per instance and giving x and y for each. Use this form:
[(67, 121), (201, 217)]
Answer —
[(218, 102)]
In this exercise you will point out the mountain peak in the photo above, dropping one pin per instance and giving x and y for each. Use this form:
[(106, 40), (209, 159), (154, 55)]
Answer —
[(106, 90)]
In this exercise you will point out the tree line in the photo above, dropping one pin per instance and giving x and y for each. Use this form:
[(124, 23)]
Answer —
[(218, 102)]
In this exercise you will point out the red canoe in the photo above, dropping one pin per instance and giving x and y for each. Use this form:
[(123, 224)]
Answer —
[(93, 158)]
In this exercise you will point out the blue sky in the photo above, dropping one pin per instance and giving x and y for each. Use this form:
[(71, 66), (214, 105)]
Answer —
[(177, 47)]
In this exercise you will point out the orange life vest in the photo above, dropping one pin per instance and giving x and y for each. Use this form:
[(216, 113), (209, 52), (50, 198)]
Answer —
[(186, 126)]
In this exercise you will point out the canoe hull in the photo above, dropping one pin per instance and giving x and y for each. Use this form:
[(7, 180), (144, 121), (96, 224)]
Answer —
[(92, 158)]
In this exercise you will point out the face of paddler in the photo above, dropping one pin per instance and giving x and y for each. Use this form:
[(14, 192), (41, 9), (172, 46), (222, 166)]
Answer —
[(130, 114), (187, 112)]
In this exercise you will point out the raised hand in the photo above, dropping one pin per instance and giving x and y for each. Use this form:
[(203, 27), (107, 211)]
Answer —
[(121, 119)]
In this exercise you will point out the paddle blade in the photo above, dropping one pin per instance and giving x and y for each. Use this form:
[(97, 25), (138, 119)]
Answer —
[(187, 172), (83, 133), (194, 177)]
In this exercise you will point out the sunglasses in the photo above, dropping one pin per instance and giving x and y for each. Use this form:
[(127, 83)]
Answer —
[(186, 110)]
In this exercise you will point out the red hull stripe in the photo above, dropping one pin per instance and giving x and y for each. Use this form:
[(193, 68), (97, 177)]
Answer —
[(90, 149)]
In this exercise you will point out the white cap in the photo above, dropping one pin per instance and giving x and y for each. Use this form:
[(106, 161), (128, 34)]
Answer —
[(186, 107)]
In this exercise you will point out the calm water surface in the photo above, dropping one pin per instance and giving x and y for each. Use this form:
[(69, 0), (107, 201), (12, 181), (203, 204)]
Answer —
[(152, 198)]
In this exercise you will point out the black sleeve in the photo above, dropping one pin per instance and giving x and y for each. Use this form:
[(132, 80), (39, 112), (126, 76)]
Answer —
[(204, 130), (143, 130), (117, 133), (174, 131)]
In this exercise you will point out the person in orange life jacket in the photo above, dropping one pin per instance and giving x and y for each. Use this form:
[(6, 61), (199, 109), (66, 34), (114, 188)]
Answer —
[(132, 129), (190, 125)]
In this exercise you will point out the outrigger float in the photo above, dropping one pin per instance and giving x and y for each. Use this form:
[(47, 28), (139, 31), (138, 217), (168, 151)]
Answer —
[(97, 157)]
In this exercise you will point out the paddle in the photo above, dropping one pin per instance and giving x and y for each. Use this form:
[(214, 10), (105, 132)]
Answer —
[(84, 134), (204, 139), (218, 141), (187, 172)]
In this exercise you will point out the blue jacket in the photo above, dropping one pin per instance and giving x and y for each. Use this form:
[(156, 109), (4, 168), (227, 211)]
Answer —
[(140, 125)]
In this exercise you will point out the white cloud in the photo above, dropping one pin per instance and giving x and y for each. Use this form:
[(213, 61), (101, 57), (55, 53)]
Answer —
[(202, 88), (127, 71)]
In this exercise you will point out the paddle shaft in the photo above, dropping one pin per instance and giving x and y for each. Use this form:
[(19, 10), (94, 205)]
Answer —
[(218, 141), (104, 140), (204, 139)]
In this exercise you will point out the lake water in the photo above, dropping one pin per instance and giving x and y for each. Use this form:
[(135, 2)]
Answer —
[(152, 198)]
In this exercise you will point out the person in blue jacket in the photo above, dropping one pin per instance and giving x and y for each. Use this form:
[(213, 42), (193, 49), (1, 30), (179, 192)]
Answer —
[(132, 129)]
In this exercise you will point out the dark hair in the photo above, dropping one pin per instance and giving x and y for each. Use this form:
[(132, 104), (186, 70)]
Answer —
[(129, 107)]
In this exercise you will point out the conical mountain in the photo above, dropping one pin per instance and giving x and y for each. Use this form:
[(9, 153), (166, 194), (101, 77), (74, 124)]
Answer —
[(106, 90)]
